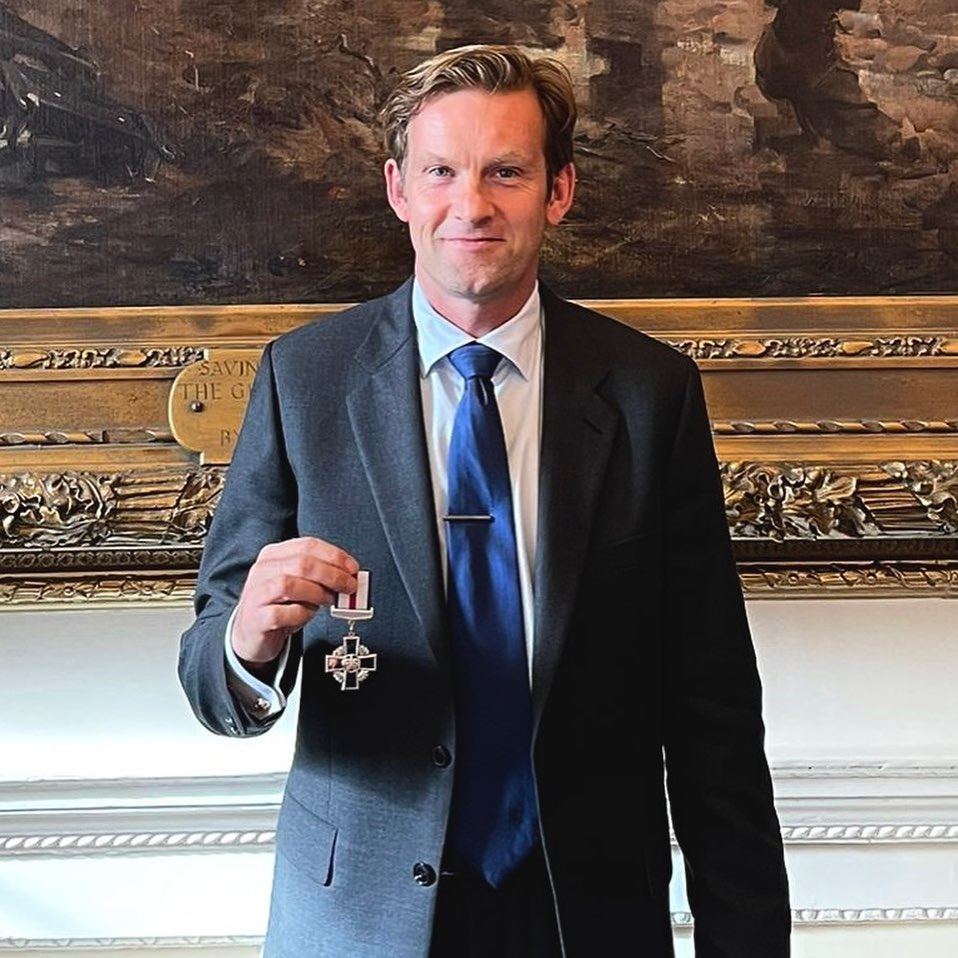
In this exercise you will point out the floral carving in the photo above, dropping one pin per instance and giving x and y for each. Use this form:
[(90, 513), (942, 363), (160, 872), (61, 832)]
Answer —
[(935, 486), (795, 501), (90, 509), (70, 508), (806, 502)]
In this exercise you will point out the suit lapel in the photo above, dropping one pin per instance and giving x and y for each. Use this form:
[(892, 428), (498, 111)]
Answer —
[(385, 411), (578, 428)]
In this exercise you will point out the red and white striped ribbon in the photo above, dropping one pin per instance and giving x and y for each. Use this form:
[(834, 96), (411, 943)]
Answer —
[(358, 600)]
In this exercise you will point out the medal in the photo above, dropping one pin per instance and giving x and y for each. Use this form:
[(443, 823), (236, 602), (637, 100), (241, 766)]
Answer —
[(352, 662)]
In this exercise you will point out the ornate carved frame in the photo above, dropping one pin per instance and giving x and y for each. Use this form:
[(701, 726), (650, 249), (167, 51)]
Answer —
[(835, 420)]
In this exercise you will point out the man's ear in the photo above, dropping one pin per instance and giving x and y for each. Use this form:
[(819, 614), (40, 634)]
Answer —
[(394, 189), (563, 190)]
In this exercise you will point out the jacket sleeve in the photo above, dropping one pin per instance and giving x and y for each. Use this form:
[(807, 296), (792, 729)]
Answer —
[(257, 507), (719, 784)]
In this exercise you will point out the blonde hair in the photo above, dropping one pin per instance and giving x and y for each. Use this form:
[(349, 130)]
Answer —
[(495, 69)]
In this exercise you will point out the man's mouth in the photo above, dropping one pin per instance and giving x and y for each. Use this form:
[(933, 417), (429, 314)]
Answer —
[(473, 240)]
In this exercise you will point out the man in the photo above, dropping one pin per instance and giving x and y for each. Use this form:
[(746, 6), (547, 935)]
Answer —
[(482, 772)]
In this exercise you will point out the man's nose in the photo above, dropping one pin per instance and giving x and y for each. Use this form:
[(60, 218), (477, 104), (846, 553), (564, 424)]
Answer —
[(472, 201)]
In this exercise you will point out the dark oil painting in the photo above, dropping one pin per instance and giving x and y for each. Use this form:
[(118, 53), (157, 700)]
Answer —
[(178, 152)]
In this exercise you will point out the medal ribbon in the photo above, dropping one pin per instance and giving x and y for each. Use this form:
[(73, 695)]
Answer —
[(355, 601)]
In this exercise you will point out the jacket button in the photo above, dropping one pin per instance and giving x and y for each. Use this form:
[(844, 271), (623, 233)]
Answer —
[(423, 874), (441, 756)]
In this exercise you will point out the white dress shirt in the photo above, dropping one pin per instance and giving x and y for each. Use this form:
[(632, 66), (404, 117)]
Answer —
[(518, 386)]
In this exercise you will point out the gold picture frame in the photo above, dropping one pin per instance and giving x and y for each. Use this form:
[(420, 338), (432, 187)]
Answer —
[(834, 419)]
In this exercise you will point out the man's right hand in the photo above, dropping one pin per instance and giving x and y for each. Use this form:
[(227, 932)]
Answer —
[(286, 585)]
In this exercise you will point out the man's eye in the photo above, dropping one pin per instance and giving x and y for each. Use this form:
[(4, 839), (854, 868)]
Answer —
[(439, 171), (507, 173)]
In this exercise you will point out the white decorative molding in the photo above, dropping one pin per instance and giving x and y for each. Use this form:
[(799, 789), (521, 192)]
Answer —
[(869, 771), (166, 791), (882, 793), (139, 815), (855, 916), (818, 804), (127, 843), (850, 916), (101, 944), (867, 834), (680, 920)]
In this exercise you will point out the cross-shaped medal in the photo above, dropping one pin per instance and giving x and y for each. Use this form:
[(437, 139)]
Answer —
[(351, 663)]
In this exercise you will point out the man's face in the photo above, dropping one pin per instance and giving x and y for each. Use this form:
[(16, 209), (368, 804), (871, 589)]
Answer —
[(473, 191)]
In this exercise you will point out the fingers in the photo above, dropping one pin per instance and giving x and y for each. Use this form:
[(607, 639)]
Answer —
[(285, 587), (308, 553), (306, 569)]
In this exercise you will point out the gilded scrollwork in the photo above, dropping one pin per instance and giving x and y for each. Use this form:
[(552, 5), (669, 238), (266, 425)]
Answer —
[(869, 578), (96, 590), (814, 347), (107, 357), (851, 578), (698, 348), (780, 580), (902, 347)]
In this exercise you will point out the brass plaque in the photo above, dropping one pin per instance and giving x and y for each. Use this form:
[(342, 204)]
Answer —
[(208, 400)]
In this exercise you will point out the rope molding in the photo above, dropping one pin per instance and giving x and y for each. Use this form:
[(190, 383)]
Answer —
[(86, 437), (737, 427), (129, 842), (721, 427), (851, 916), (875, 833), (103, 843)]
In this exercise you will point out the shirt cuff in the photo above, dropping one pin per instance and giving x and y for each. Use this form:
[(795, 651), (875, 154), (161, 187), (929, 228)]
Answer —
[(259, 699)]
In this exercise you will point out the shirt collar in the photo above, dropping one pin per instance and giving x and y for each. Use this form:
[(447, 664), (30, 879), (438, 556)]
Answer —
[(519, 339)]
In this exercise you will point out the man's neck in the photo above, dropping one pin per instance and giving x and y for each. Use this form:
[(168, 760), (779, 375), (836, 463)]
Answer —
[(476, 317)]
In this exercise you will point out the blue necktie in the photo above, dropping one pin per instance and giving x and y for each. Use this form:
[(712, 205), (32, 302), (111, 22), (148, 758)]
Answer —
[(493, 821)]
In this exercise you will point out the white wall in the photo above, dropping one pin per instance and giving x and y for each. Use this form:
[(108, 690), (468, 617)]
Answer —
[(124, 825)]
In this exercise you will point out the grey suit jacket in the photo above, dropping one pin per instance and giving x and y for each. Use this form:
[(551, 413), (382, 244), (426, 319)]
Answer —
[(642, 648)]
